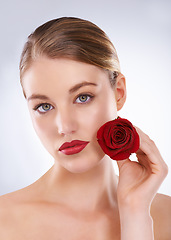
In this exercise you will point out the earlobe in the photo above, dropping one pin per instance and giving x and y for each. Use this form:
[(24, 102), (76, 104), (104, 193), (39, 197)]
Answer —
[(120, 91)]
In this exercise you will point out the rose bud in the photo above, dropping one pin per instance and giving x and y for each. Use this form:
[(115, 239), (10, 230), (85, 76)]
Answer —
[(118, 138)]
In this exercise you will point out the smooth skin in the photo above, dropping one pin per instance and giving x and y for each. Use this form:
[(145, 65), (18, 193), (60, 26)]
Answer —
[(81, 197)]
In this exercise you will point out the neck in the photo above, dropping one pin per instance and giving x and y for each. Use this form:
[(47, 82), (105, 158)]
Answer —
[(94, 190)]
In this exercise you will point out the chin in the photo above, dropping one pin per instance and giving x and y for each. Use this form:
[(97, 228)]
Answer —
[(82, 165)]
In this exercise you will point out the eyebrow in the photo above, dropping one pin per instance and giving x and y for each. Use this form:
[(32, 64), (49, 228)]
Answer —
[(73, 89), (38, 96), (79, 85)]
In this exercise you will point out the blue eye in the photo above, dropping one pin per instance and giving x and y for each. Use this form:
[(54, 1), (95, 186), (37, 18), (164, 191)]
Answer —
[(43, 108), (83, 98)]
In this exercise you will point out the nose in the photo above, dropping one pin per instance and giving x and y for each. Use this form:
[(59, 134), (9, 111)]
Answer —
[(66, 122)]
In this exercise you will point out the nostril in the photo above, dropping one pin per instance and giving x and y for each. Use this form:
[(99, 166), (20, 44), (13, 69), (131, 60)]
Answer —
[(65, 132)]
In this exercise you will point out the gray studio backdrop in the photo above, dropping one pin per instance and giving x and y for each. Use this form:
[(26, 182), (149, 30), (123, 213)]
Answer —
[(141, 33)]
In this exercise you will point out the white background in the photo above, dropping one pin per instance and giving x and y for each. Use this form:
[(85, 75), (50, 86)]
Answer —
[(141, 33)]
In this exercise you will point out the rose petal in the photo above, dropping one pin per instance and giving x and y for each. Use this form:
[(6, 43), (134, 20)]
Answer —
[(118, 138)]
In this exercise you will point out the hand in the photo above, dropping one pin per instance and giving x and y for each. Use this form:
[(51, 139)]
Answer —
[(139, 181)]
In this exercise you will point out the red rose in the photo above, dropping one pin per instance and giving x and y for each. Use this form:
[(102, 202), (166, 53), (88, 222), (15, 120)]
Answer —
[(118, 138)]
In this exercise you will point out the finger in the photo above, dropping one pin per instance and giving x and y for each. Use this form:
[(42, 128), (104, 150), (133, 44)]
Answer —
[(143, 161), (120, 163), (149, 155)]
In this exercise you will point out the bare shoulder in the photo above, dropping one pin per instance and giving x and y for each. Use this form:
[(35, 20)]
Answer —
[(8, 214), (9, 203), (161, 214), (13, 208), (11, 199)]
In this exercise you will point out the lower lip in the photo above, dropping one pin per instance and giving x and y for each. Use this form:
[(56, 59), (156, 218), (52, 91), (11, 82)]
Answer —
[(74, 150)]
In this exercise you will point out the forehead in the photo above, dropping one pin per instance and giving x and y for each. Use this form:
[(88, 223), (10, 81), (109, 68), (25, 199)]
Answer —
[(51, 74)]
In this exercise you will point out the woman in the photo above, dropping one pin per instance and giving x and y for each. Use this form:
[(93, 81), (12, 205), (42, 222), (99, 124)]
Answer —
[(71, 79)]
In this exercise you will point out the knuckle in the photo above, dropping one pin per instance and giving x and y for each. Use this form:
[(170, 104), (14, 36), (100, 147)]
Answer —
[(151, 142), (164, 170), (149, 147)]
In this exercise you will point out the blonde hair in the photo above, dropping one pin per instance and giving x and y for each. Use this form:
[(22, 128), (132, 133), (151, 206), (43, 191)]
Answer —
[(72, 38)]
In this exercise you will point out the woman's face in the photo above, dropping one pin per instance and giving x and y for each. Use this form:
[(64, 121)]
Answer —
[(69, 100)]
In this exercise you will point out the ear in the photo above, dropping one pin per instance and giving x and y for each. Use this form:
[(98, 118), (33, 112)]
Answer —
[(120, 91)]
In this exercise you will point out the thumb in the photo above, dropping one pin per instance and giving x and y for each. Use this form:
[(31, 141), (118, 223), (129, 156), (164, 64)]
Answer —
[(120, 163)]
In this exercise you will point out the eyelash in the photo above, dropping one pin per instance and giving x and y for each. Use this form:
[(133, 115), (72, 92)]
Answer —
[(84, 94), (43, 104), (36, 108)]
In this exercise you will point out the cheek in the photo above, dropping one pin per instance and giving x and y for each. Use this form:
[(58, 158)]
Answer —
[(42, 127), (96, 115)]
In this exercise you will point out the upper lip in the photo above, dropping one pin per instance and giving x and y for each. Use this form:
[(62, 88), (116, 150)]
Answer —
[(72, 144)]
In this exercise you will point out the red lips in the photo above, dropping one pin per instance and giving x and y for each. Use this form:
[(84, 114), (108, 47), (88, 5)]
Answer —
[(73, 147)]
